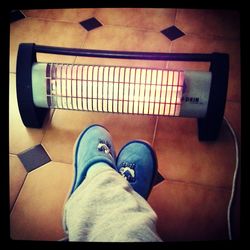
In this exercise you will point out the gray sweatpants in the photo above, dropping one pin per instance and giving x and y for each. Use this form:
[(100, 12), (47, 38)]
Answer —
[(105, 208)]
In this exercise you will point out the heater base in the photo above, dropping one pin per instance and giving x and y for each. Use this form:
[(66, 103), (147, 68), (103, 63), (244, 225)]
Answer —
[(208, 130)]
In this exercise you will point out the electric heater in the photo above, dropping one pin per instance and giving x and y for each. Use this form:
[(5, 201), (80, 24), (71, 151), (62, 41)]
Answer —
[(120, 89)]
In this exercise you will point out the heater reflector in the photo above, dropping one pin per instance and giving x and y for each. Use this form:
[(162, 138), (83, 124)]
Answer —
[(109, 89), (118, 89)]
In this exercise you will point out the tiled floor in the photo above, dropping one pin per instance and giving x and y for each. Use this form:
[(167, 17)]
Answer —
[(191, 201)]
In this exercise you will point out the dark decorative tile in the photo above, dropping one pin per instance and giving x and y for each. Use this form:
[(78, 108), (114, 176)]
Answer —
[(90, 23), (16, 15), (34, 157), (172, 33), (158, 178)]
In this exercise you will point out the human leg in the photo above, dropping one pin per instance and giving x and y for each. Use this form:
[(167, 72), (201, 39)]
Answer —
[(105, 208), (102, 205)]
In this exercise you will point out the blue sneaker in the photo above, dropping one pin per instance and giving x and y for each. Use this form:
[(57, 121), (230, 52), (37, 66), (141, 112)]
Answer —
[(94, 145), (137, 163)]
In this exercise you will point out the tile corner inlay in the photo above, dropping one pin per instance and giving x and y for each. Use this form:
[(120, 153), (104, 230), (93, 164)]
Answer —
[(34, 157), (172, 33), (90, 24)]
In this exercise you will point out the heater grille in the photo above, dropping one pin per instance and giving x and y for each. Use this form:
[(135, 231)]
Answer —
[(115, 89)]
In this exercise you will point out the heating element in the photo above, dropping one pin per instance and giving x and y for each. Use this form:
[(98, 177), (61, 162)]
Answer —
[(120, 89)]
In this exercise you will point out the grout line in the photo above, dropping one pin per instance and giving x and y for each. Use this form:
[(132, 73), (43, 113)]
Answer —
[(195, 184), (63, 162), (86, 37), (17, 196), (155, 129), (170, 50), (175, 16), (94, 12), (82, 46), (12, 154), (133, 28), (74, 61), (44, 130), (51, 20)]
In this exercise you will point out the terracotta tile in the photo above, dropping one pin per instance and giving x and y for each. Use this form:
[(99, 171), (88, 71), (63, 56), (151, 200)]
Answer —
[(195, 44), (30, 30), (190, 212), (66, 126), (20, 137), (66, 15), (159, 11), (182, 157), (149, 19), (234, 84), (220, 23), (37, 214), (17, 174), (125, 39)]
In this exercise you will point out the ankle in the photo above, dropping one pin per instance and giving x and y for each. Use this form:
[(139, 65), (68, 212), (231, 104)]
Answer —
[(97, 168)]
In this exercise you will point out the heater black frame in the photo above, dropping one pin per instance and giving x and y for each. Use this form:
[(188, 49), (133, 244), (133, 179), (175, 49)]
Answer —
[(208, 127)]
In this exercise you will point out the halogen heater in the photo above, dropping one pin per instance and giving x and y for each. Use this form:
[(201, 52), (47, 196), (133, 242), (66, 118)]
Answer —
[(120, 89)]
